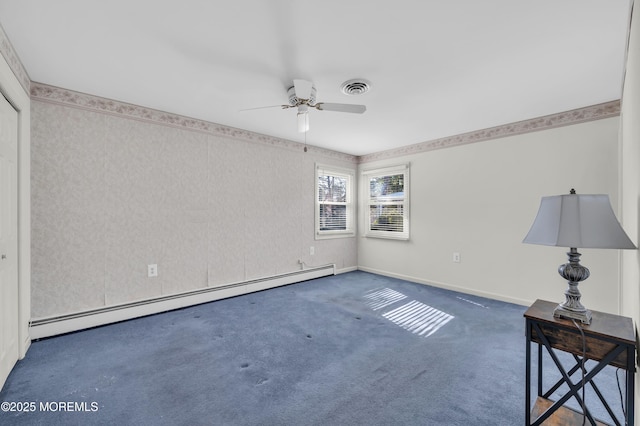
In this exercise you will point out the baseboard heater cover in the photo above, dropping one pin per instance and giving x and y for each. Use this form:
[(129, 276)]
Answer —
[(52, 326)]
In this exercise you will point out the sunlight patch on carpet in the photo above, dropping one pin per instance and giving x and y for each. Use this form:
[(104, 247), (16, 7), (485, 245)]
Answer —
[(380, 298), (472, 302), (418, 318)]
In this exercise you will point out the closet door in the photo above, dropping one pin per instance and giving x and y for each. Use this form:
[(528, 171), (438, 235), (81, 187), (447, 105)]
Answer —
[(8, 238)]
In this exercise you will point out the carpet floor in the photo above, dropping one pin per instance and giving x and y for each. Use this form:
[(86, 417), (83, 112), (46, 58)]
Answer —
[(350, 349)]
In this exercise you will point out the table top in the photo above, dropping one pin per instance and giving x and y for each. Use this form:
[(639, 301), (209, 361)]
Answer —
[(602, 323)]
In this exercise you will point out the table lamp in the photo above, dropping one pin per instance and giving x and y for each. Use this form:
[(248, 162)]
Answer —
[(576, 220)]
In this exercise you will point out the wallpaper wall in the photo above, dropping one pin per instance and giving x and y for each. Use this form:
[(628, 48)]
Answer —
[(113, 193)]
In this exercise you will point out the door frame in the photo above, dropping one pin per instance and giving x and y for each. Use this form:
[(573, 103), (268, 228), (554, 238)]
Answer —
[(18, 97)]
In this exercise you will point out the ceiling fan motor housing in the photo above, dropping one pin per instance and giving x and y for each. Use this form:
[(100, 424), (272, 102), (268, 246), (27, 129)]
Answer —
[(294, 101)]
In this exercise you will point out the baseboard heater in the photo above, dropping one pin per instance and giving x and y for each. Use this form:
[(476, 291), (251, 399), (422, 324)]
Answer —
[(52, 326)]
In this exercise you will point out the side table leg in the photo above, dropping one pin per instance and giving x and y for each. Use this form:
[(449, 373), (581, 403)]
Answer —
[(527, 403), (540, 370), (631, 356)]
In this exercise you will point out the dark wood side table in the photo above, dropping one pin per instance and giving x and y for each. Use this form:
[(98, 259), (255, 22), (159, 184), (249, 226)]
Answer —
[(610, 340)]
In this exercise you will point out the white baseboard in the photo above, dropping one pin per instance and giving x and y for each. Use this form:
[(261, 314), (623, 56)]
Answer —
[(345, 270), (446, 286), (51, 326)]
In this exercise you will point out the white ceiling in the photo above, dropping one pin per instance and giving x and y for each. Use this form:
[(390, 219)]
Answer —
[(438, 68)]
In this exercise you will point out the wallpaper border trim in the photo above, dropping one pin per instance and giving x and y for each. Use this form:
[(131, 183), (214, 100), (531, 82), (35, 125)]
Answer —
[(10, 55), (56, 95), (51, 94), (567, 118)]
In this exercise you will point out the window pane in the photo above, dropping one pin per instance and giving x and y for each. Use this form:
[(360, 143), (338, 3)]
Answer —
[(332, 188), (333, 217), (388, 198), (334, 209), (389, 187), (386, 217)]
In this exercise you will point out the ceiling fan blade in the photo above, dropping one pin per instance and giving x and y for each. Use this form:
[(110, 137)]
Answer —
[(303, 89), (357, 109), (265, 107)]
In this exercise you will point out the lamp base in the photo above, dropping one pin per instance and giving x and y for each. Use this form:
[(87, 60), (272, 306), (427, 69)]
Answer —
[(574, 273), (583, 315)]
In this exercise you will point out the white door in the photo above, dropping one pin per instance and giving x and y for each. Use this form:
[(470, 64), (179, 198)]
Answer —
[(8, 238)]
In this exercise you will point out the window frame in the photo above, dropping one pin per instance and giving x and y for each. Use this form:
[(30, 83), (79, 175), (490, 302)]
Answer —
[(350, 225), (368, 201)]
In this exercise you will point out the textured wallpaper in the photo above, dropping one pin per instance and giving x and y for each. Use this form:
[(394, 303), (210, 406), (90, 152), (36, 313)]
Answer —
[(112, 194)]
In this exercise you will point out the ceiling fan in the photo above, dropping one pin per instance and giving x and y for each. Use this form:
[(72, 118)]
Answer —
[(302, 95)]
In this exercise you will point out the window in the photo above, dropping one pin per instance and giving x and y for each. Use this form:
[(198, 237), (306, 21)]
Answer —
[(334, 208), (387, 194)]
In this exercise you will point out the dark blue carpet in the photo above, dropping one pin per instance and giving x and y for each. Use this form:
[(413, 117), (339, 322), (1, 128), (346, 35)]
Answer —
[(352, 349)]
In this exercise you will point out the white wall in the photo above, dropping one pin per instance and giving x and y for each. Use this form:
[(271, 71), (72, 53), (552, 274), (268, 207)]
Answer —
[(630, 172), (630, 177), (480, 200)]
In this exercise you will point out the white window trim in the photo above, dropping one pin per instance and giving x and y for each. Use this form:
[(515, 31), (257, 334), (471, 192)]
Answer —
[(350, 211), (365, 176)]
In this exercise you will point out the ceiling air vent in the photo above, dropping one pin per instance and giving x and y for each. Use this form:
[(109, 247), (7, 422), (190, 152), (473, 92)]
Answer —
[(357, 86)]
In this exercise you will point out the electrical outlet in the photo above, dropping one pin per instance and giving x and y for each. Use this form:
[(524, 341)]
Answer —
[(456, 257), (312, 250), (152, 270)]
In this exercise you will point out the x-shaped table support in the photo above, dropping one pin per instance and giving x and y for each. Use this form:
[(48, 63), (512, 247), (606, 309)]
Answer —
[(574, 388)]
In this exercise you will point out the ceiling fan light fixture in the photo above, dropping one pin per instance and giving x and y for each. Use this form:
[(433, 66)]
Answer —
[(303, 122), (356, 86)]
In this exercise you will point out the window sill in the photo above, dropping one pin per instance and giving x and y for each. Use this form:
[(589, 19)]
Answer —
[(335, 235), (403, 237)]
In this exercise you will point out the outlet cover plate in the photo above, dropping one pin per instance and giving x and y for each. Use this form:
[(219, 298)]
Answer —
[(152, 270)]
